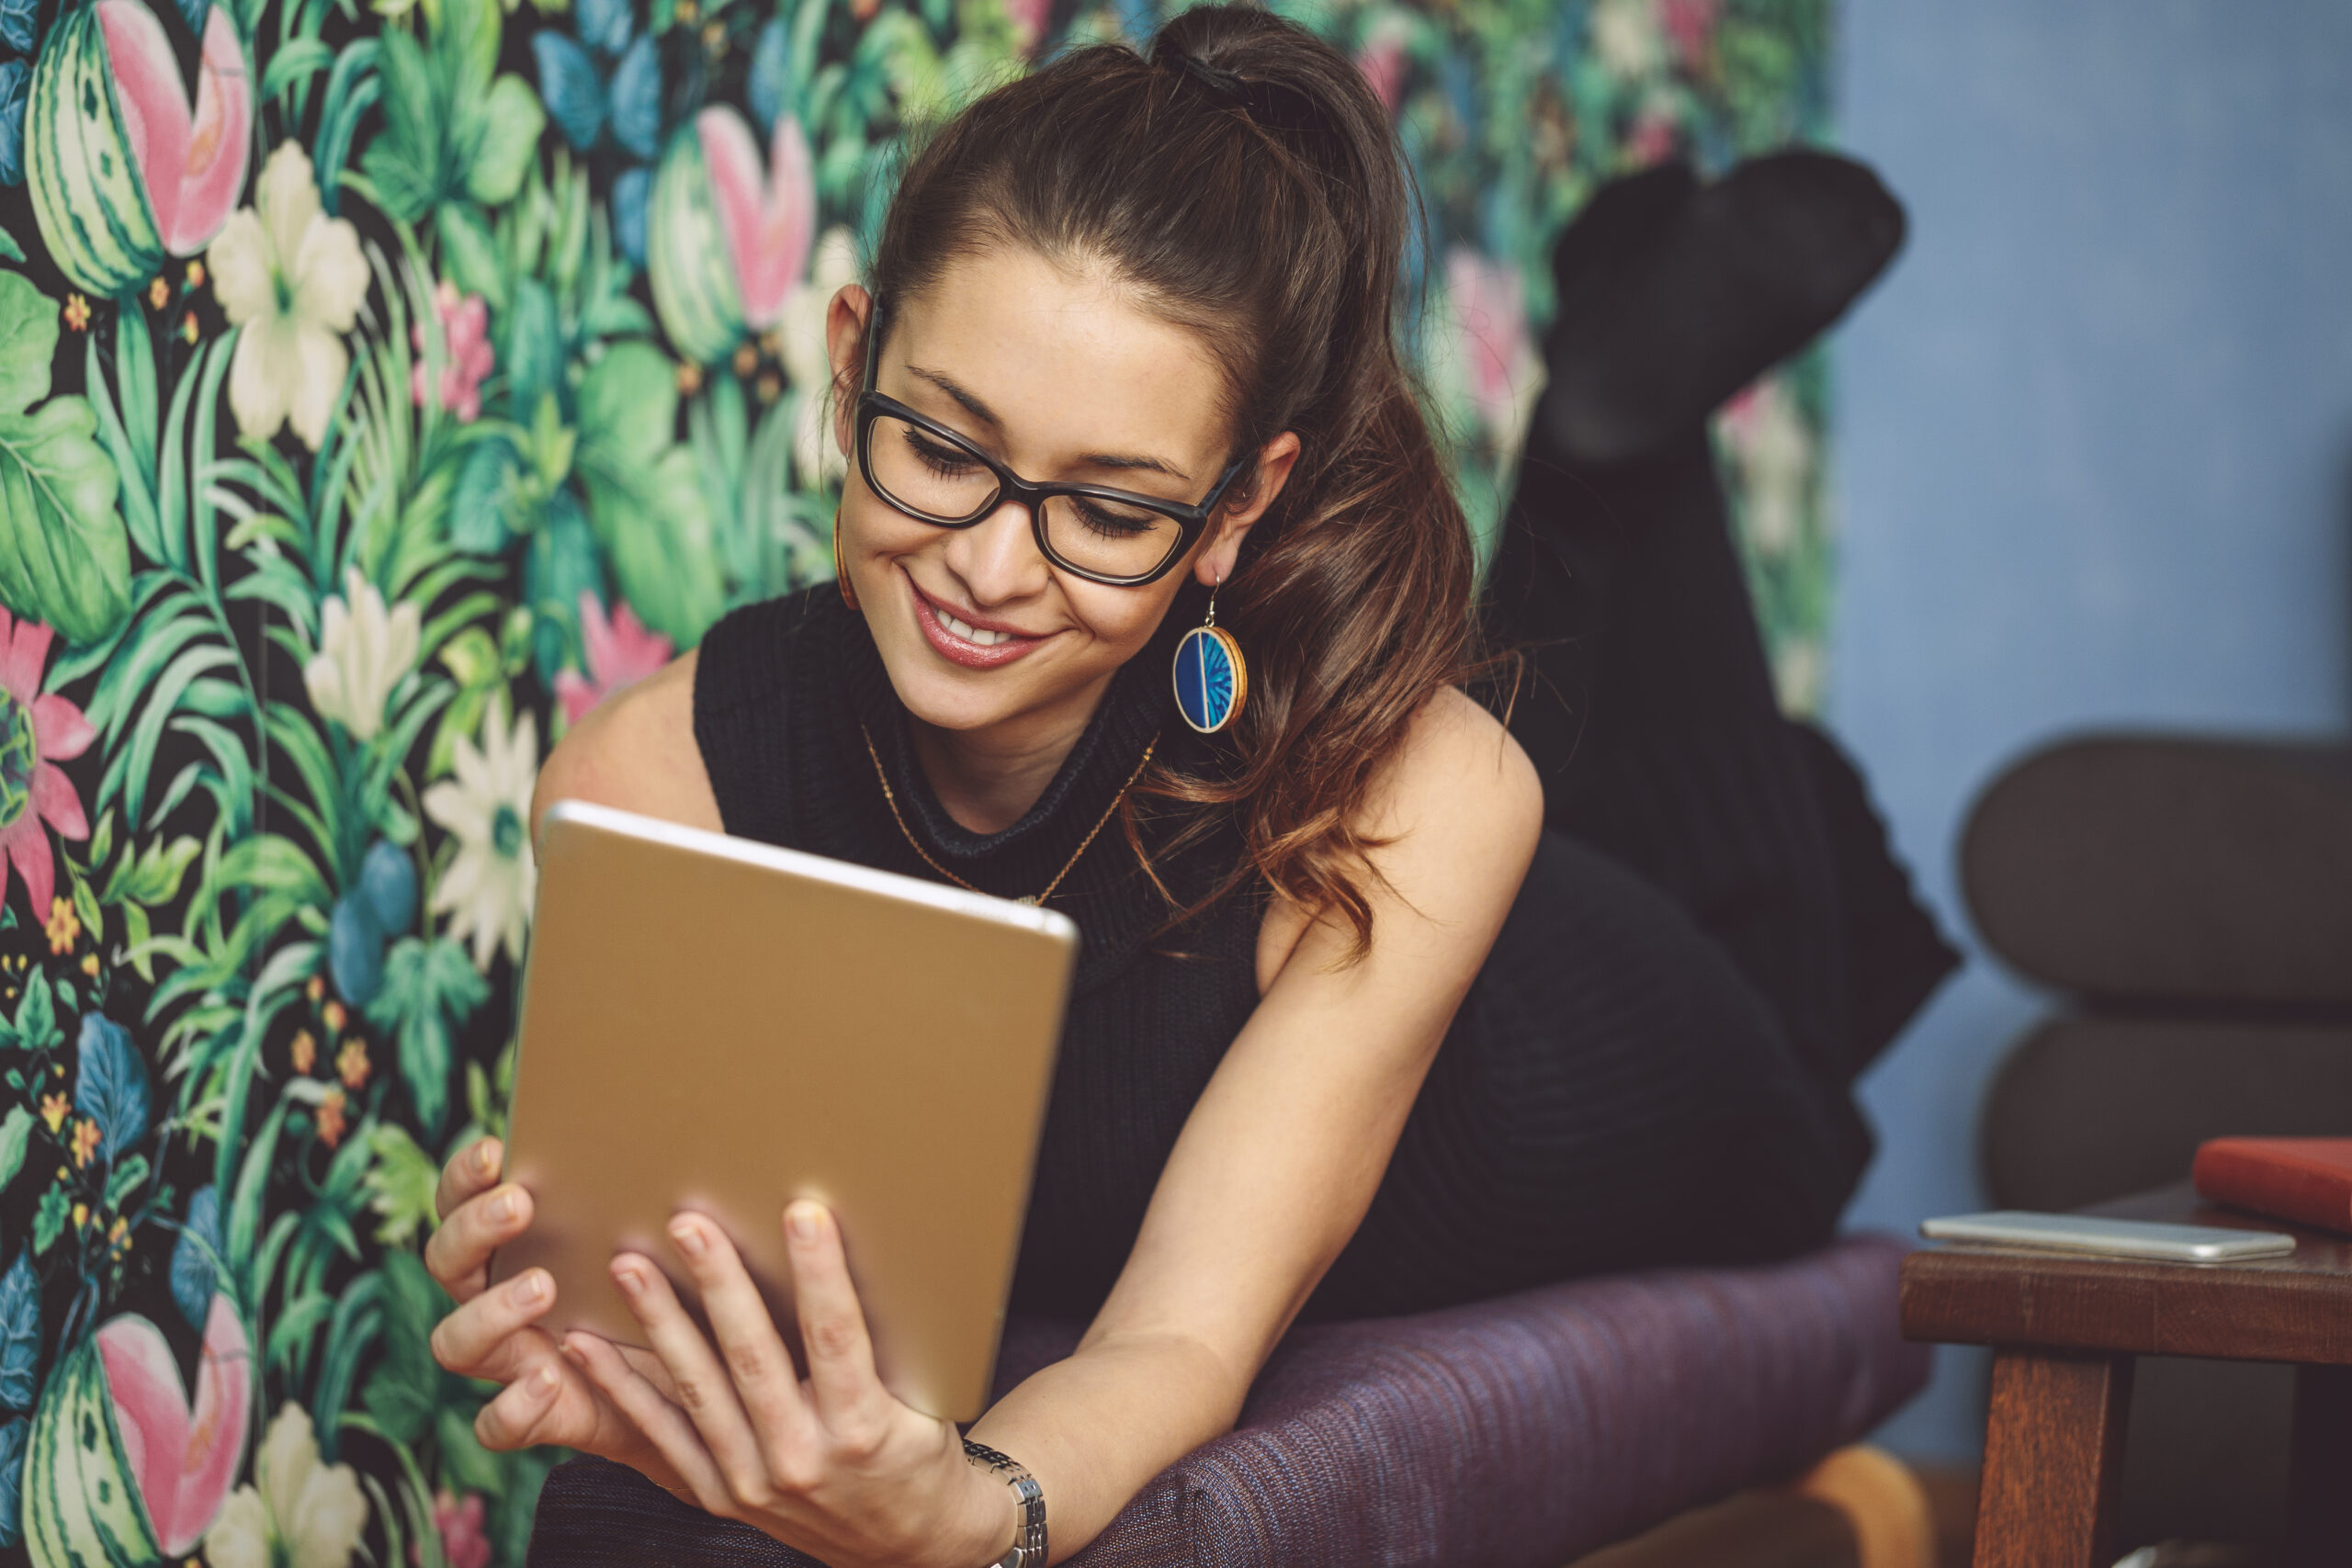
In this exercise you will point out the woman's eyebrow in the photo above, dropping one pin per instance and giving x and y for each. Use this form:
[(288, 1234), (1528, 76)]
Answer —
[(971, 404)]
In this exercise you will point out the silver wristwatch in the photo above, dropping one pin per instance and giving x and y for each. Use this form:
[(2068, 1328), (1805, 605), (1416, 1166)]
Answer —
[(1029, 1539)]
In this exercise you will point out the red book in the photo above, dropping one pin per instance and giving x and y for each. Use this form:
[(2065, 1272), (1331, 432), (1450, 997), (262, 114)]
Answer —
[(2307, 1181)]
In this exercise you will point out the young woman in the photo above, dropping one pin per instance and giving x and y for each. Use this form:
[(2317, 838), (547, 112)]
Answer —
[(1128, 361)]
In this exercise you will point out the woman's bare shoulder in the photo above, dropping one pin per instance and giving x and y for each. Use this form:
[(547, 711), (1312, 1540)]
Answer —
[(1460, 778), (1453, 818), (635, 750)]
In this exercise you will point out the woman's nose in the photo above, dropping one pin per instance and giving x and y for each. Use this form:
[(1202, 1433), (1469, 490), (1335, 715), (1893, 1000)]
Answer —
[(997, 557)]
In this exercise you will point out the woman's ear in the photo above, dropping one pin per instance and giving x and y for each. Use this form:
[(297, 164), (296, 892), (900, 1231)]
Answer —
[(1275, 461), (845, 323)]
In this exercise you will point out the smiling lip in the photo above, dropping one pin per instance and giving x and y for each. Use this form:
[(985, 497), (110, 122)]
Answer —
[(960, 651)]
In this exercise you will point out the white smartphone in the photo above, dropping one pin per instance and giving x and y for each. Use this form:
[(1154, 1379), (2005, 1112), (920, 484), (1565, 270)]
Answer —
[(2114, 1238)]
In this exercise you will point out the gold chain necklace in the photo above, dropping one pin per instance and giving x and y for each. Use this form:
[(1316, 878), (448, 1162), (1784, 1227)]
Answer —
[(891, 800)]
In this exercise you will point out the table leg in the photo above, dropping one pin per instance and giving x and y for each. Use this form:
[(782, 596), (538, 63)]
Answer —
[(2319, 1498), (2054, 1457)]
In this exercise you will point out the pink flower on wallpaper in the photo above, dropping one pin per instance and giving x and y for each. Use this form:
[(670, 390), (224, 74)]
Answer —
[(467, 358), (1490, 317), (1692, 25), (463, 1544), (38, 731), (621, 653), (1382, 59), (1029, 18), (1652, 139)]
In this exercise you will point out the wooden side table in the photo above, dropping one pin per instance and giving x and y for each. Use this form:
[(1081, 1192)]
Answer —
[(2064, 1332)]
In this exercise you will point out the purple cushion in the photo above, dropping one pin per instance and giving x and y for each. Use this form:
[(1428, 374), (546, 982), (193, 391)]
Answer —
[(1523, 1430)]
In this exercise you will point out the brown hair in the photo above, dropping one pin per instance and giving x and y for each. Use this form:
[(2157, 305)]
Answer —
[(1246, 181)]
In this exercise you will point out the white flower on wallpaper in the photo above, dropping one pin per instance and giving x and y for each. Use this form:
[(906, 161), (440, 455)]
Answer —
[(291, 280), (1767, 436), (365, 650), (486, 807), (303, 1514), (1627, 36), (815, 456)]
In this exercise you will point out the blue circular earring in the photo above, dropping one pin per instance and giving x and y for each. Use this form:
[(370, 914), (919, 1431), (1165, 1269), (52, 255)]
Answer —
[(1211, 678)]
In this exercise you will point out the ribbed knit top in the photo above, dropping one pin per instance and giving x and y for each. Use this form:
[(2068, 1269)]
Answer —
[(781, 692)]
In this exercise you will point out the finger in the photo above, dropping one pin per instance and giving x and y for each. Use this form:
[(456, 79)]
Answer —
[(673, 1434), (470, 1170), (457, 1253), (754, 1353), (484, 1337), (525, 1412), (832, 1324), (647, 1365), (703, 1390)]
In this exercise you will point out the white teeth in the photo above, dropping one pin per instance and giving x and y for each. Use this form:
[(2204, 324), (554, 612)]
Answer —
[(969, 633)]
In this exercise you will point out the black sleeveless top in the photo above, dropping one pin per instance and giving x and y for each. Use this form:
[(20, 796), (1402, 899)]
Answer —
[(781, 691), (1612, 1094)]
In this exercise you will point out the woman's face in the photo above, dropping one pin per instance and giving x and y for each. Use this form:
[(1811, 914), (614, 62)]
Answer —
[(1058, 376)]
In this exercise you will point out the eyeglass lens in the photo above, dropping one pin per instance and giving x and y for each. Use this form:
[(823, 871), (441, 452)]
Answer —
[(917, 470)]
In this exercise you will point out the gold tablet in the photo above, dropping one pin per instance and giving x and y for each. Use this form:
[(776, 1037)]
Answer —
[(714, 1024)]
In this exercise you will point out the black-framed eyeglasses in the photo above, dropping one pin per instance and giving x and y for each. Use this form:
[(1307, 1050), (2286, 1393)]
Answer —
[(935, 476)]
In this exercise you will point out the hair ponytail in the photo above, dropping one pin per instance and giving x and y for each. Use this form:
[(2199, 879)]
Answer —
[(1247, 181)]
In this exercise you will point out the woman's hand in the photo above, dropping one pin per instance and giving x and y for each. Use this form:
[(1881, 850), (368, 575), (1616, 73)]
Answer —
[(833, 1464), (494, 1334)]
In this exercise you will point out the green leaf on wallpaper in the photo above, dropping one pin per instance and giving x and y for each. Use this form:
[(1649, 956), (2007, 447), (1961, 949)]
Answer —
[(628, 404), (15, 1132), (124, 1178), (9, 248), (406, 1388), (64, 554), (463, 1458), (428, 990), (479, 504), (645, 498), (645, 495), (466, 37), (558, 564), (154, 878), (35, 1026), (49, 1219), (469, 254), (404, 160), (532, 355), (658, 528), (512, 121), (400, 1182), (295, 61)]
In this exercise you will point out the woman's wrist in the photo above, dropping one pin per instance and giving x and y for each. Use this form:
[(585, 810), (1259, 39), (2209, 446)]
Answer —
[(990, 1518)]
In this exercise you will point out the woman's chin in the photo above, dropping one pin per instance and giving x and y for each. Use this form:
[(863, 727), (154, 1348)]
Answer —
[(941, 696)]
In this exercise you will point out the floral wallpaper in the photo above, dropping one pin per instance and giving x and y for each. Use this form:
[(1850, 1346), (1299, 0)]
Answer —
[(380, 388)]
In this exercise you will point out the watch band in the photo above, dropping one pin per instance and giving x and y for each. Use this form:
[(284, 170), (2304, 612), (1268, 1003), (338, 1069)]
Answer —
[(1029, 1536)]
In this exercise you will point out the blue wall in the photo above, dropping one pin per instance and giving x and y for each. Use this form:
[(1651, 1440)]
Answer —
[(2094, 447)]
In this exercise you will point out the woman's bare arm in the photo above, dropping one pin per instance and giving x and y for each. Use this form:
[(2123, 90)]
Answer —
[(1281, 1157)]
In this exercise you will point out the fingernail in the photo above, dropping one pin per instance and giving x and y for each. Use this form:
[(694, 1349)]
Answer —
[(626, 1276), (504, 1207), (804, 1221), (688, 1235), (546, 1378), (530, 1288), (573, 1354), (486, 1158)]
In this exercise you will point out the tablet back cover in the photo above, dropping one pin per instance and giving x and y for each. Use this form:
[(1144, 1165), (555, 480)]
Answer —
[(712, 1024)]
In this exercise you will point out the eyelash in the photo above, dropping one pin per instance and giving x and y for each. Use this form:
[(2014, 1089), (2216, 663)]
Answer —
[(948, 461), (941, 460), (1106, 524)]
